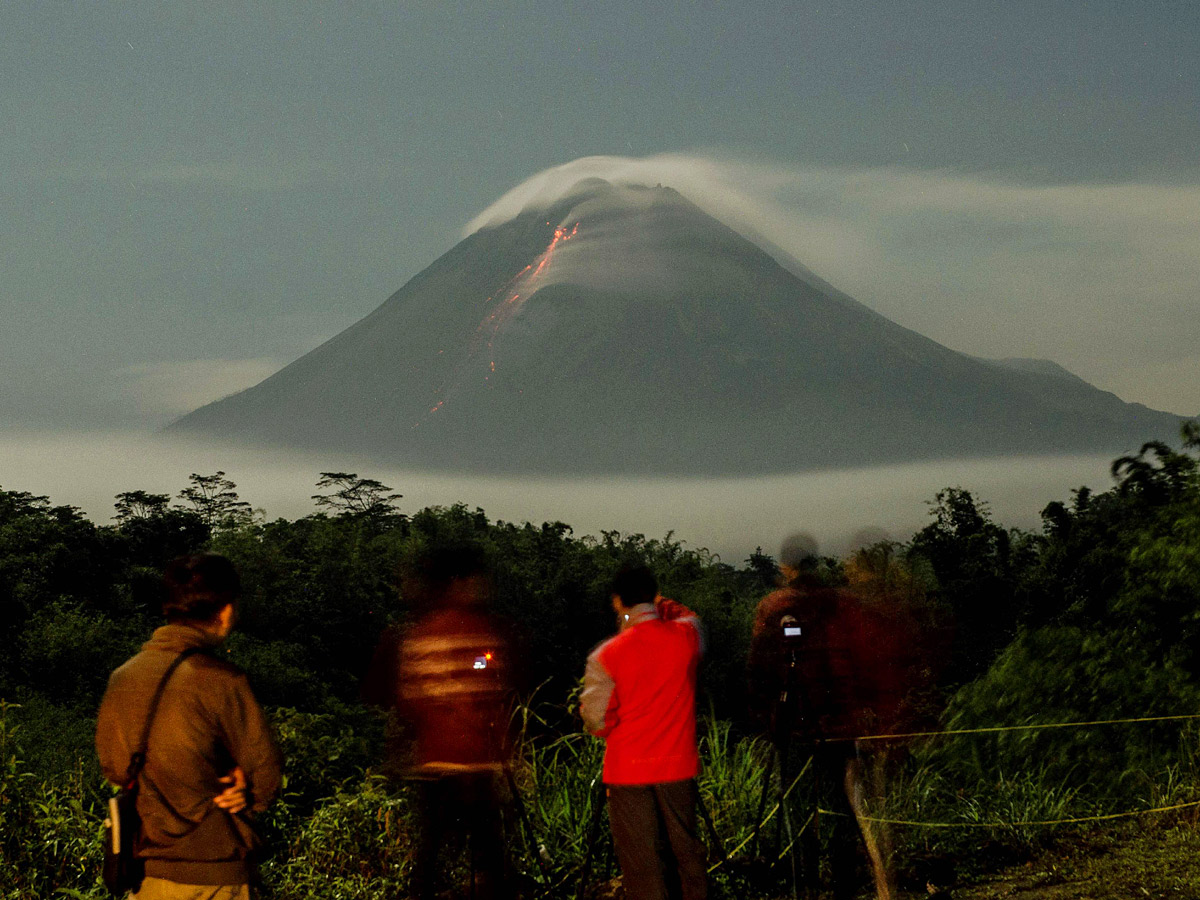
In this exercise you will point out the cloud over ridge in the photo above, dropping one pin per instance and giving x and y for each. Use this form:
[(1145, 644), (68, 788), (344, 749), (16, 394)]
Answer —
[(1101, 277)]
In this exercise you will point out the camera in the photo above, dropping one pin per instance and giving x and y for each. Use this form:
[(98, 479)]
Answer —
[(791, 629)]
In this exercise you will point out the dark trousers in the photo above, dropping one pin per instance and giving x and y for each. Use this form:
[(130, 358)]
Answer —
[(461, 806), (827, 788), (658, 847)]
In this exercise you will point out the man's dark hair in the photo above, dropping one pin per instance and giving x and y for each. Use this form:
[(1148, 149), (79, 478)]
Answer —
[(441, 565), (199, 586), (635, 585)]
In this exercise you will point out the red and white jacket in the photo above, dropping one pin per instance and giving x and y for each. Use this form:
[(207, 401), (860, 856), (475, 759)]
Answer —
[(639, 694)]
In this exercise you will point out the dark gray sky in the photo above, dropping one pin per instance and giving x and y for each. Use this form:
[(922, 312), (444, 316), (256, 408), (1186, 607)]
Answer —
[(194, 195)]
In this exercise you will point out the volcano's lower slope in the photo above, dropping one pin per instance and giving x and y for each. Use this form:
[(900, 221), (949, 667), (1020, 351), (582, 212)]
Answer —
[(624, 331)]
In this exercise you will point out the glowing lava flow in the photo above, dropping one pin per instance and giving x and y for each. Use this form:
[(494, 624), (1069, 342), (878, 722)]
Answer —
[(519, 288), (523, 285)]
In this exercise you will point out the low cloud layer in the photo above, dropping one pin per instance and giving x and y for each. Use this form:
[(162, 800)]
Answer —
[(1102, 278), (729, 516)]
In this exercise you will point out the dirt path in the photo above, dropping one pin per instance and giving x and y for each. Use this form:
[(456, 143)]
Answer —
[(1161, 862)]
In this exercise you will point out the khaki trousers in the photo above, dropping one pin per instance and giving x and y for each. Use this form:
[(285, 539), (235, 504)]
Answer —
[(161, 889)]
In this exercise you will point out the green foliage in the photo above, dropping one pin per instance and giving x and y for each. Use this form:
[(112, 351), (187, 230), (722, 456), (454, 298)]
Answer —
[(49, 826), (325, 751), (49, 554), (72, 650), (559, 781), (56, 738), (1017, 804), (1007, 809), (214, 499), (975, 564), (358, 843), (133, 505), (353, 496), (317, 595), (731, 780), (1096, 617), (1120, 641), (1059, 674), (154, 539)]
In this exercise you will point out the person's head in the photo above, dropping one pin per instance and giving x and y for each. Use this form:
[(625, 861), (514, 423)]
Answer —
[(202, 590), (456, 575), (797, 556), (633, 586)]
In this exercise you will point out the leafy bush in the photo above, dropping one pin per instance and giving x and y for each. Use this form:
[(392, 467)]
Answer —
[(357, 843), (50, 827), (72, 650)]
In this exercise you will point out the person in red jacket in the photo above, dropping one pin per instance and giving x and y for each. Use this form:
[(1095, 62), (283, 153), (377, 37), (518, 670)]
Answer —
[(640, 696)]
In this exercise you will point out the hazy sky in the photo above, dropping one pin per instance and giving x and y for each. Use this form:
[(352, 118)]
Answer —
[(193, 195)]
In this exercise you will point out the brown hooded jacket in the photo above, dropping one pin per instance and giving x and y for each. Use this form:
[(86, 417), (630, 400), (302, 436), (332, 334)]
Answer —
[(207, 723)]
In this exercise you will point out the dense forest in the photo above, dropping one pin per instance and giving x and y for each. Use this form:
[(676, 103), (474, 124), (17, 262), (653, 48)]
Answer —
[(1096, 616)]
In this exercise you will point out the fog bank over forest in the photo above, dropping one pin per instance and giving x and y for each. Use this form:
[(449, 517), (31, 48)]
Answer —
[(730, 516)]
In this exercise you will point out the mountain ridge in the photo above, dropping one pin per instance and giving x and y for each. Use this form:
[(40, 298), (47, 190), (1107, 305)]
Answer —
[(622, 330)]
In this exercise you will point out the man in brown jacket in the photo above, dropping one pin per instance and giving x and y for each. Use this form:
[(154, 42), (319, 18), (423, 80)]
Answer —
[(210, 760)]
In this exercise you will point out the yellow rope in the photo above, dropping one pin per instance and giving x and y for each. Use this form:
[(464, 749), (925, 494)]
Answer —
[(770, 815), (782, 853), (987, 730), (1120, 815), (799, 834), (997, 728)]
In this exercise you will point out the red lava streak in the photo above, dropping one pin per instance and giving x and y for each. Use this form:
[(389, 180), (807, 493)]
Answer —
[(522, 285), (525, 278)]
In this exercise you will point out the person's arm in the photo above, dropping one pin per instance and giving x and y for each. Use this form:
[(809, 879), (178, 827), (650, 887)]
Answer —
[(249, 741), (111, 745), (673, 611), (598, 702)]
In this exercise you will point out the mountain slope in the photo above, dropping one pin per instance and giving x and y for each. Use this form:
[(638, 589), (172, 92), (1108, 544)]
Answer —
[(623, 330)]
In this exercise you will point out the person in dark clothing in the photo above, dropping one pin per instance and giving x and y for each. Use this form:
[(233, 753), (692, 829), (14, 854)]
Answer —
[(211, 763), (450, 679), (847, 683)]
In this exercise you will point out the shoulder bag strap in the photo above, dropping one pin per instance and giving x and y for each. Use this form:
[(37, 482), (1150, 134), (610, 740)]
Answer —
[(139, 756)]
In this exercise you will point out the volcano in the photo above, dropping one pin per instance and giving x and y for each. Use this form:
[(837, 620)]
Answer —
[(619, 329)]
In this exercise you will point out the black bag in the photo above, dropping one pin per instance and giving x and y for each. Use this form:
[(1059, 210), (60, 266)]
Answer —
[(123, 871)]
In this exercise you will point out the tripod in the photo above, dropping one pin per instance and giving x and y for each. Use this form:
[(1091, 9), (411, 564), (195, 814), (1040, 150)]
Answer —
[(536, 850), (803, 859)]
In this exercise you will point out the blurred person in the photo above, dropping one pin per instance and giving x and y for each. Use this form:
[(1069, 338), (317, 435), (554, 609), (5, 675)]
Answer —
[(846, 661), (450, 677), (210, 762), (640, 696)]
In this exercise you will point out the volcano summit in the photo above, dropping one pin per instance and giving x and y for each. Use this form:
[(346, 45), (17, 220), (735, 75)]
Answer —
[(620, 329)]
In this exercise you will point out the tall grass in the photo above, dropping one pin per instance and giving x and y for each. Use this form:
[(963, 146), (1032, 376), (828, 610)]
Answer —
[(732, 781), (50, 826), (559, 784), (343, 831)]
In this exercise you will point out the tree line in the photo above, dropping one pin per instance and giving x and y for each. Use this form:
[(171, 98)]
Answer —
[(1096, 614)]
